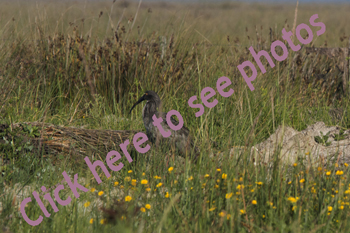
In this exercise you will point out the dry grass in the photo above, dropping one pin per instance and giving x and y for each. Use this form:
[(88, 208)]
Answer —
[(214, 22)]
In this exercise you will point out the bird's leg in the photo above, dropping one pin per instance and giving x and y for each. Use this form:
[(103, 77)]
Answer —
[(158, 139), (169, 155), (167, 161)]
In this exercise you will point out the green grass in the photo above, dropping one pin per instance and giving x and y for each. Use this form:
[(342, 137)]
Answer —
[(44, 77)]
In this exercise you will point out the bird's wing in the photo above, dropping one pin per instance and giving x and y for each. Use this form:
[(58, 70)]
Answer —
[(181, 137), (183, 130)]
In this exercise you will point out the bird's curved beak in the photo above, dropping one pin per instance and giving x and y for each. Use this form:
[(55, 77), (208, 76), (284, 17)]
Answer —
[(139, 101)]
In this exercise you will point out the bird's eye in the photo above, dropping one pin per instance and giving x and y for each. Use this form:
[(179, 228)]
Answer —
[(146, 93)]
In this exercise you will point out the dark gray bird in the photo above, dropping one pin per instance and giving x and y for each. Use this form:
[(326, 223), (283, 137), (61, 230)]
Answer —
[(179, 139)]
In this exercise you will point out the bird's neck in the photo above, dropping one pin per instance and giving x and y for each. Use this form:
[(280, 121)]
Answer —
[(149, 110)]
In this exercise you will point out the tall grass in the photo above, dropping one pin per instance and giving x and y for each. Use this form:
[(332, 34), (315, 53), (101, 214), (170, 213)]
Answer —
[(70, 64)]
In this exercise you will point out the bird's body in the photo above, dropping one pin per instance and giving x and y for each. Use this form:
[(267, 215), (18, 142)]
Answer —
[(180, 139)]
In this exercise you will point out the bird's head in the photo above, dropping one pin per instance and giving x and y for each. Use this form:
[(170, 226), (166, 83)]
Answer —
[(149, 96)]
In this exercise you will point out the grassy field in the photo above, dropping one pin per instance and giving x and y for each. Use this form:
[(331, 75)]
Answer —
[(84, 64)]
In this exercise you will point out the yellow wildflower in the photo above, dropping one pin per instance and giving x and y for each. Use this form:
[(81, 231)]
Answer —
[(254, 202), (158, 185), (224, 176), (170, 169), (213, 208), (130, 171), (148, 206), (103, 221), (319, 169), (87, 204), (295, 164), (330, 208), (128, 178), (167, 195), (228, 195), (302, 181), (345, 164), (133, 182), (100, 193), (242, 211), (148, 189), (143, 209), (144, 182), (239, 187), (292, 199), (228, 216), (219, 170), (328, 173), (339, 173), (92, 190), (222, 214), (128, 198), (91, 221), (116, 183), (206, 175)]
